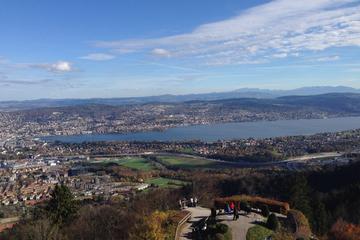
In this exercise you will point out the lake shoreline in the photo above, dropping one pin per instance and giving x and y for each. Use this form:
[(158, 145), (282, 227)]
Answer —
[(222, 131)]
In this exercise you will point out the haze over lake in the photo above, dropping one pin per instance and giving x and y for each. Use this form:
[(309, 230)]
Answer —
[(225, 131)]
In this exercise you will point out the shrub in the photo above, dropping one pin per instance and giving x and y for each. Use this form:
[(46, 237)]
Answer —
[(299, 223), (274, 206), (245, 206), (273, 222), (219, 236), (265, 210), (281, 235), (222, 228)]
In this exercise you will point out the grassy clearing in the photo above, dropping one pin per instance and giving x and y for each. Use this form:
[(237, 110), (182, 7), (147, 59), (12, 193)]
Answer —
[(136, 163), (186, 162), (166, 182), (258, 233)]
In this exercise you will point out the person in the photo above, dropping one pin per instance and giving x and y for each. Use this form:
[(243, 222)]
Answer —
[(227, 208), (232, 206), (236, 215), (195, 201), (191, 202), (184, 203)]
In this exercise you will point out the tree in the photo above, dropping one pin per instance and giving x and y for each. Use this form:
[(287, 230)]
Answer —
[(299, 196), (272, 222), (342, 230), (40, 229), (152, 227), (320, 217), (212, 218), (62, 206)]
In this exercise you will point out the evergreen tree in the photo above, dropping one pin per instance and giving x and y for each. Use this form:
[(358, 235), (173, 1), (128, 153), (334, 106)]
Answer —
[(299, 196), (320, 217), (61, 206)]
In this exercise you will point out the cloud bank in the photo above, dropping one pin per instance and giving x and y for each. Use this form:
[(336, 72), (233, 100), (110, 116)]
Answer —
[(278, 29)]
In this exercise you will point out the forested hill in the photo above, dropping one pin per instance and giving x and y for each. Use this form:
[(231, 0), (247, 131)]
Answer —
[(168, 98), (228, 110), (332, 102)]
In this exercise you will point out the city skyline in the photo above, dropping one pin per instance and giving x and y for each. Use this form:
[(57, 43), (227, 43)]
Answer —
[(139, 48)]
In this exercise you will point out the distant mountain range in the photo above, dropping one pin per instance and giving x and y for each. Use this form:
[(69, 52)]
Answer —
[(239, 93)]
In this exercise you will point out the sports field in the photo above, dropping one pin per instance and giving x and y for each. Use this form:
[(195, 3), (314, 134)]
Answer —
[(186, 162), (137, 163)]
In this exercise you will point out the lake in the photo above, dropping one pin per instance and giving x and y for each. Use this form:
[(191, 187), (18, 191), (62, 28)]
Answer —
[(225, 131)]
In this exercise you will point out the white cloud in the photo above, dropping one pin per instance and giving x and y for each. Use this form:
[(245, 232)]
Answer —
[(58, 67), (280, 55), (160, 52), (271, 29), (328, 59), (61, 66), (98, 57)]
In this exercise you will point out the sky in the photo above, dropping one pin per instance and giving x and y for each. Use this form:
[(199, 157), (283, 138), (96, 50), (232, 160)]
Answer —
[(111, 48)]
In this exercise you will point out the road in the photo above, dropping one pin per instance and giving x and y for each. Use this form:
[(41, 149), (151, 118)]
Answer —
[(315, 156), (304, 158)]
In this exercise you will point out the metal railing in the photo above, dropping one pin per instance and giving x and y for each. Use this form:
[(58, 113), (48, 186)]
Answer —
[(180, 224)]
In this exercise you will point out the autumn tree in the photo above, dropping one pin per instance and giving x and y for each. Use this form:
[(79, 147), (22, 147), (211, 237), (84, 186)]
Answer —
[(342, 230)]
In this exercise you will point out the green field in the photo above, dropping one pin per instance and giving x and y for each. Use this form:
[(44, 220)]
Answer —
[(166, 182), (169, 161), (186, 162), (258, 233), (136, 163)]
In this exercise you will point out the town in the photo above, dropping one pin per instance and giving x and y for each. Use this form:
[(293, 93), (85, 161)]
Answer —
[(30, 168)]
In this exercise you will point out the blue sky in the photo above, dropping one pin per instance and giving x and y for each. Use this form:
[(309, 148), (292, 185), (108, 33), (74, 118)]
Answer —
[(110, 48)]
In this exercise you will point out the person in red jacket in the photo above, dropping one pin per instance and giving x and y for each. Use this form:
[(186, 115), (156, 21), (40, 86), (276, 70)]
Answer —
[(232, 206)]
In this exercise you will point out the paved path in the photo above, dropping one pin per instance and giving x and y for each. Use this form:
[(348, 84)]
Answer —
[(240, 227), (196, 214)]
